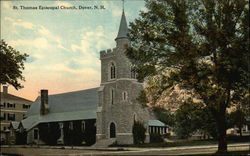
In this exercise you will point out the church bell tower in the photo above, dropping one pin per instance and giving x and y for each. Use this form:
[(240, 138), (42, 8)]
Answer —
[(118, 108)]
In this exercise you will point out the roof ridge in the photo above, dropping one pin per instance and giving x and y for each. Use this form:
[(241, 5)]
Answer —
[(73, 91)]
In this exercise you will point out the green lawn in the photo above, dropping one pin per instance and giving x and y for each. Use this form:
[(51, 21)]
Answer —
[(231, 139)]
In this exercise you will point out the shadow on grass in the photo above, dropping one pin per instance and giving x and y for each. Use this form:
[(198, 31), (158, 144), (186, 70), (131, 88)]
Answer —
[(231, 139)]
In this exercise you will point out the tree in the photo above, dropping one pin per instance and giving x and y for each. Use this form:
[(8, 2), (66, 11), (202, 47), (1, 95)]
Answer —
[(164, 115), (139, 132), (201, 45), (11, 65), (238, 119), (194, 117)]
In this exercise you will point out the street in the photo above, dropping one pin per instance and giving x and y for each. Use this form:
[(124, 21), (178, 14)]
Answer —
[(88, 151)]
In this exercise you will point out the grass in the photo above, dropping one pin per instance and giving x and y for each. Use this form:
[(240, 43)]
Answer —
[(231, 139), (172, 144)]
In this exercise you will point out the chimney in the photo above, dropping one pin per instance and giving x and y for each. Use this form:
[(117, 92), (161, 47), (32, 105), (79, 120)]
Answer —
[(44, 102), (5, 89)]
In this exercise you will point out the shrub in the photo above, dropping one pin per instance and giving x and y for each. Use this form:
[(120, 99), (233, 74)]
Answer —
[(138, 133)]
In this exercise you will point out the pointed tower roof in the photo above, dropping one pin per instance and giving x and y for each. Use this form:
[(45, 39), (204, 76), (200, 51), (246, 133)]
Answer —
[(123, 29)]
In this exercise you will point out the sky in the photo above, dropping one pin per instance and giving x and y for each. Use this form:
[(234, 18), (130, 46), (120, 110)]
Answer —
[(63, 44)]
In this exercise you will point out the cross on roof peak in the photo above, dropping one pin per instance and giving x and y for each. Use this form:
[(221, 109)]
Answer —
[(122, 5)]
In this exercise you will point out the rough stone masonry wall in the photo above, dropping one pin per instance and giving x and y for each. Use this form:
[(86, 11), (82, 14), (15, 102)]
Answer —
[(122, 112)]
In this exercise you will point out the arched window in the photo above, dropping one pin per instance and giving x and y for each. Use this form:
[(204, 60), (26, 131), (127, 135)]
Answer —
[(112, 130), (112, 96), (124, 96), (71, 125), (83, 126), (112, 71)]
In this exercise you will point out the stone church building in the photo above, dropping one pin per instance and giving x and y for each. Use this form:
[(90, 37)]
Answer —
[(110, 109)]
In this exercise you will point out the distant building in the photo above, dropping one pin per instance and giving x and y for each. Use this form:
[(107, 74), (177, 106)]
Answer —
[(13, 108), (109, 111)]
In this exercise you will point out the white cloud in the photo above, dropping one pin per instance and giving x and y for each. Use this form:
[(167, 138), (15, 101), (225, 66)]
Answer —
[(43, 31), (39, 43), (60, 46), (46, 33), (20, 23), (92, 41), (84, 46), (116, 10), (26, 25), (103, 43)]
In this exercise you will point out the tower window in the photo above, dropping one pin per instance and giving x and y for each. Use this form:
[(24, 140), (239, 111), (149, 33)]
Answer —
[(112, 96), (112, 71), (124, 96)]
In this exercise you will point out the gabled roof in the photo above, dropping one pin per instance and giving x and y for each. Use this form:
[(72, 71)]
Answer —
[(13, 97), (123, 29), (78, 105), (15, 124)]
